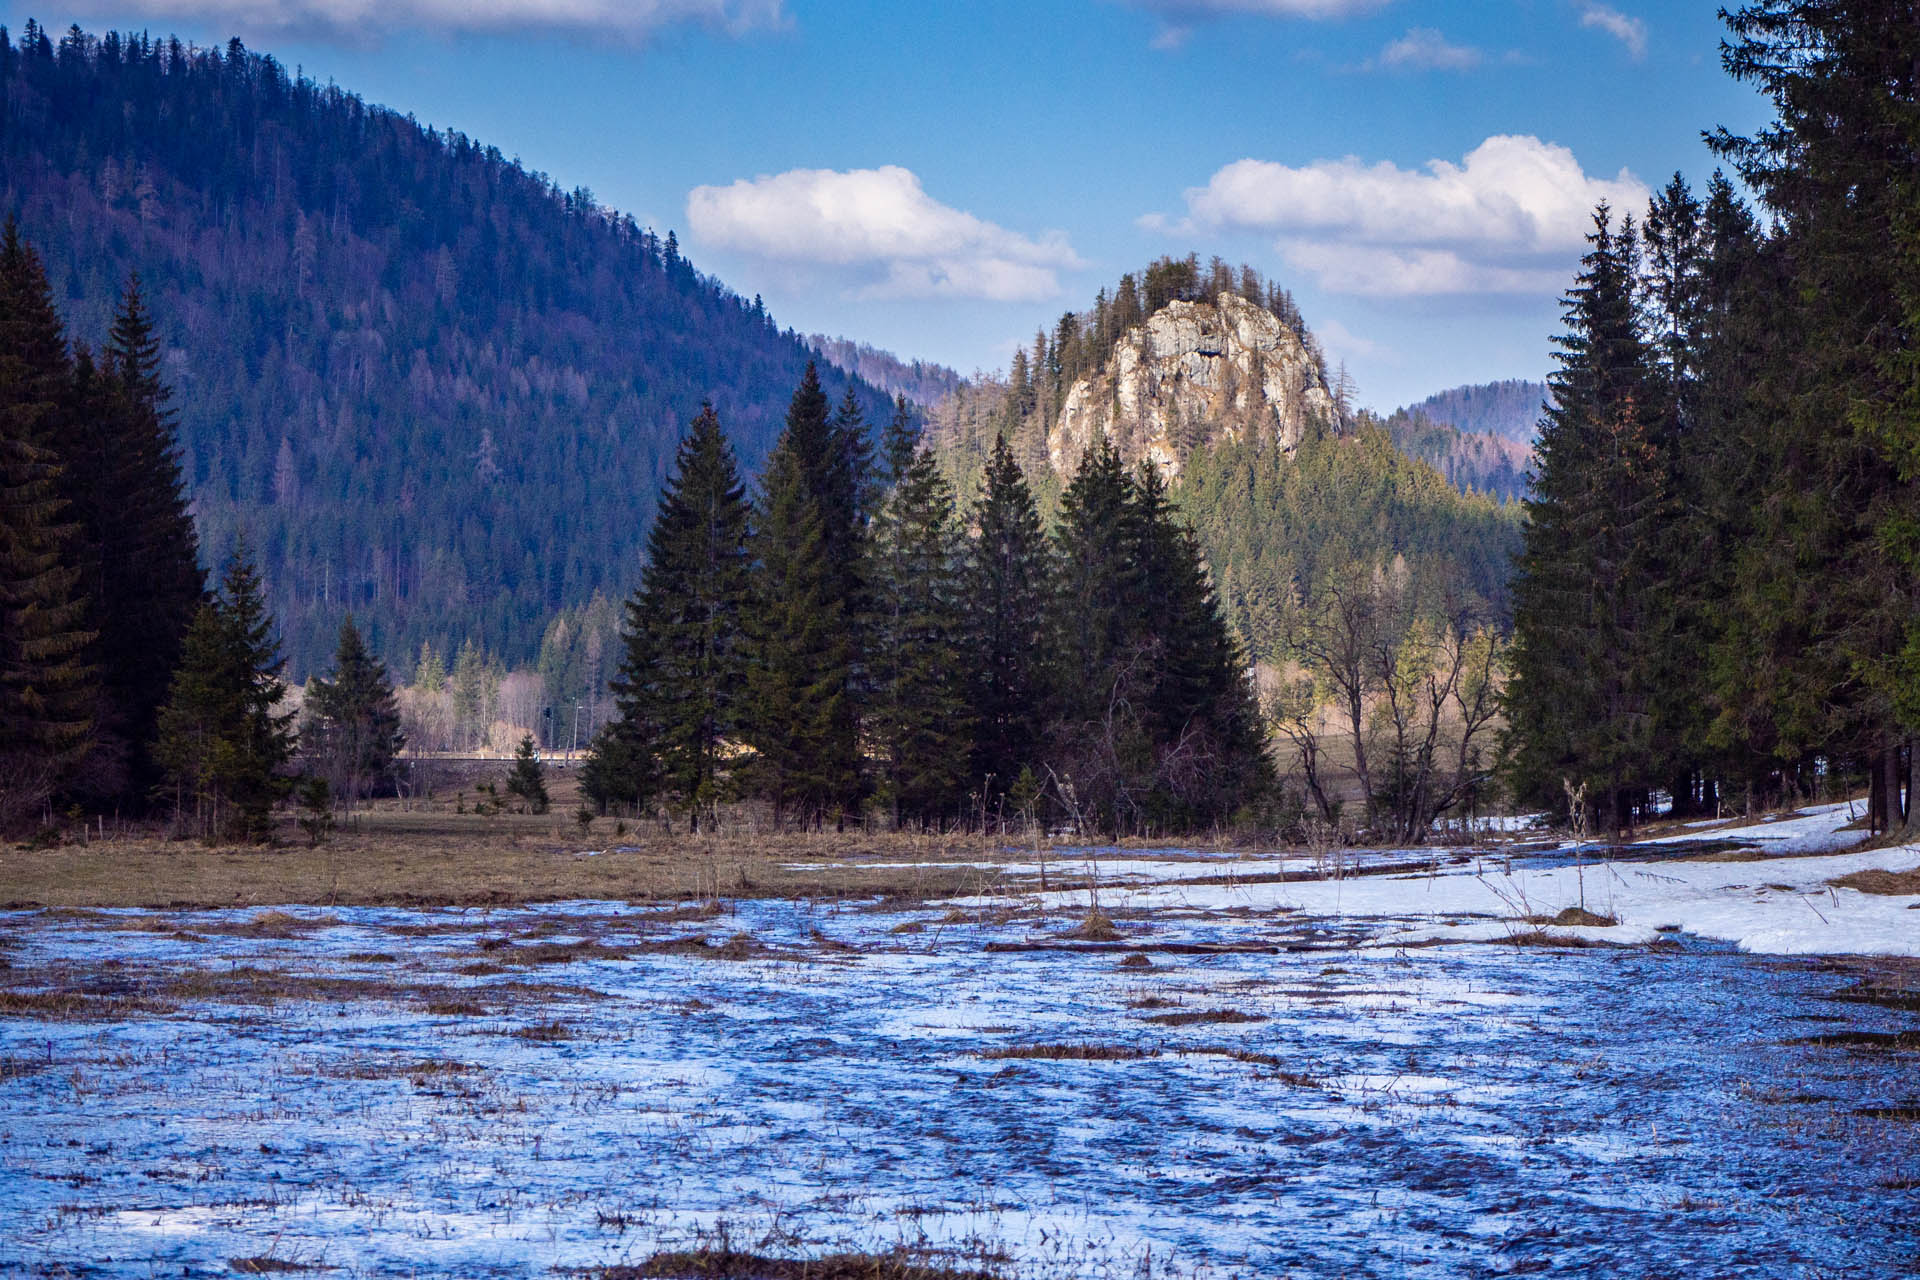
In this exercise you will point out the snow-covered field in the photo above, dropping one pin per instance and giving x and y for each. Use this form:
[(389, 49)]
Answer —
[(1351, 1077)]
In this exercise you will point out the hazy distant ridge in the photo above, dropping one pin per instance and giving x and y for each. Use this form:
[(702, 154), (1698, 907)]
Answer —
[(1511, 408)]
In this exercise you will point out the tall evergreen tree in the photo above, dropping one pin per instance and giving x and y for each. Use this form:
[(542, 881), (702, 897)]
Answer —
[(140, 552), (798, 714), (353, 722), (223, 741), (818, 496), (1210, 749), (1007, 585), (899, 442), (1580, 700), (48, 693), (919, 719), (1837, 169), (685, 658)]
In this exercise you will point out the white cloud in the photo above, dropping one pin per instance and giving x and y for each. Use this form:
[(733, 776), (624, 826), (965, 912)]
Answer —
[(1511, 218), (620, 19), (1343, 343), (1424, 48), (1181, 15), (880, 231), (1632, 32)]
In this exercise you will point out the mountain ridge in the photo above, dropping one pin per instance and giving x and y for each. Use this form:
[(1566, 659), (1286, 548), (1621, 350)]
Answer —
[(430, 387)]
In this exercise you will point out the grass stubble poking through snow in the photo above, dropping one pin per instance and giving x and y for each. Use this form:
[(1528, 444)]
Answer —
[(1230, 1071)]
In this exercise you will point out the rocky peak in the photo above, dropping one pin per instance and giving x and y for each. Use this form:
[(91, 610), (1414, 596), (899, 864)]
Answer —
[(1194, 373)]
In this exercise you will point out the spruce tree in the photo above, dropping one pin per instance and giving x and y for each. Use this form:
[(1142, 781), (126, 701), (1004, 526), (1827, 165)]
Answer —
[(899, 442), (353, 722), (808, 548), (223, 741), (919, 719), (49, 692), (684, 662), (1104, 659), (1837, 169), (528, 777), (1007, 587), (1580, 703), (148, 549), (1210, 748), (798, 716)]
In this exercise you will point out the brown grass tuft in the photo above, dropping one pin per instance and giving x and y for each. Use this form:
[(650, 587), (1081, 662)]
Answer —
[(1071, 1052), (729, 1264), (1190, 1017), (1137, 960), (267, 1264), (1897, 884), (1097, 927), (1580, 916), (543, 1031)]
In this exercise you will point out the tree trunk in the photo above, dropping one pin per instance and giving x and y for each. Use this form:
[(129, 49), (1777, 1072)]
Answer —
[(1877, 808), (1907, 771)]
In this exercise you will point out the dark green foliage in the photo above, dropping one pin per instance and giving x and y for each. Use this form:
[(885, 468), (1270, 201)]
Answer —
[(578, 654), (411, 367), (352, 731), (622, 770), (528, 778), (808, 603), (1763, 523), (49, 696), (222, 742), (1832, 414), (919, 718), (129, 538), (1155, 721), (316, 809), (1582, 697), (799, 714), (684, 662), (1279, 529), (1006, 588)]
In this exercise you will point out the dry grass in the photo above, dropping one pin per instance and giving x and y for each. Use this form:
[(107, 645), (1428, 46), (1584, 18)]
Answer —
[(434, 857), (1275, 1068), (267, 1264), (1891, 883), (1096, 927), (1576, 917), (1071, 1052), (730, 1264), (1194, 1017), (76, 994), (546, 1032)]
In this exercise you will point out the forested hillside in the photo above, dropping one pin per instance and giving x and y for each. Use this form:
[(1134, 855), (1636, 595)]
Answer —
[(1279, 526), (1511, 408), (430, 387), (1472, 461)]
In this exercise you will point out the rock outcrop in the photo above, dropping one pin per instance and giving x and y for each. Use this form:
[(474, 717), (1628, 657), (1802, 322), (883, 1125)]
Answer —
[(1194, 373)]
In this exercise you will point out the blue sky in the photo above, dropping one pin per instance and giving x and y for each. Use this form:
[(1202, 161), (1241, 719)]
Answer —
[(941, 179)]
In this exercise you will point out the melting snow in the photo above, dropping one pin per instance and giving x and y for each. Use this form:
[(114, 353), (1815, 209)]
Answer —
[(1341, 1102)]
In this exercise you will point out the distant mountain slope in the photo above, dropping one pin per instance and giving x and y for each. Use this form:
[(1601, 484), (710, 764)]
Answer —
[(428, 385), (1510, 409), (1472, 462), (920, 381)]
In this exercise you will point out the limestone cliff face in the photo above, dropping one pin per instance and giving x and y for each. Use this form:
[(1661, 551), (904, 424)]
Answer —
[(1194, 373)]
